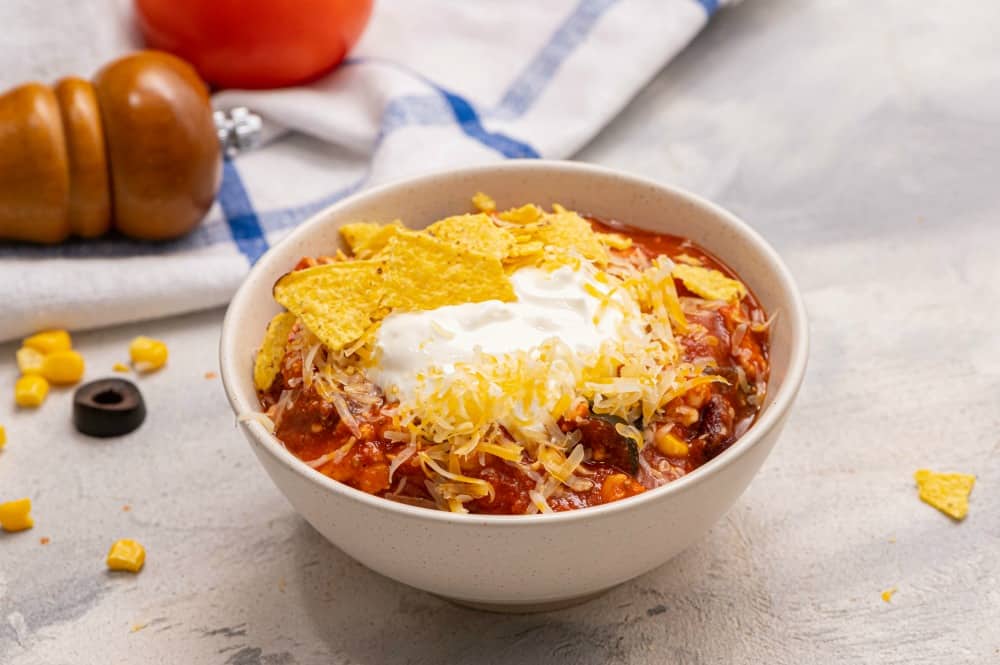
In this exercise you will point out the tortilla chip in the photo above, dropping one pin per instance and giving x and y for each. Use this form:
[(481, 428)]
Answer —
[(948, 492), (708, 283), (268, 361), (527, 248), (365, 239), (423, 272), (483, 202), (614, 240), (526, 214), (337, 301), (475, 232), (566, 231)]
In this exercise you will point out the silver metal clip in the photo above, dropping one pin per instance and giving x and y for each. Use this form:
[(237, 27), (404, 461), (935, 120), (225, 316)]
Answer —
[(238, 130)]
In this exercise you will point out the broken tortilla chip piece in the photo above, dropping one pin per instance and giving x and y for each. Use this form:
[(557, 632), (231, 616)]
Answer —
[(272, 350), (526, 214), (337, 301), (948, 492), (614, 240), (483, 202), (708, 283), (365, 239), (558, 238), (475, 232), (567, 229), (423, 272)]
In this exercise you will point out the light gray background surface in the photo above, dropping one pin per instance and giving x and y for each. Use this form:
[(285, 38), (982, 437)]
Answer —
[(863, 140)]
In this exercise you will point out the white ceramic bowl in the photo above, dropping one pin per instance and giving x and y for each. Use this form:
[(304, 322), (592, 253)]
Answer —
[(539, 561)]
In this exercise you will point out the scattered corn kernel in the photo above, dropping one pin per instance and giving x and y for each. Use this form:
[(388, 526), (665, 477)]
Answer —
[(16, 515), (127, 555), (147, 354), (668, 444), (30, 390), (48, 341), (63, 367), (29, 360), (3, 437), (887, 594), (121, 367)]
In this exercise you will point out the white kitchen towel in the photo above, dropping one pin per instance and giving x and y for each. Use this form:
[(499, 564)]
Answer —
[(433, 84)]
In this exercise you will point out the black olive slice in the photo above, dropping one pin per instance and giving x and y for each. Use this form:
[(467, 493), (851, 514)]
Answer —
[(108, 407)]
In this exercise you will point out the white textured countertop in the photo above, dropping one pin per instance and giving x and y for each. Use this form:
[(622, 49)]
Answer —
[(864, 143)]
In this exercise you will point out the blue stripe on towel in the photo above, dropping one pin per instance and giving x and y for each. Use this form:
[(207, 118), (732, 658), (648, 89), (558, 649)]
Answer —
[(240, 214), (529, 84), (711, 6), (468, 120), (462, 112)]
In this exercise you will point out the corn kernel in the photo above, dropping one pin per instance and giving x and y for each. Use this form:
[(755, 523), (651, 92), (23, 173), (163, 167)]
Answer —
[(16, 515), (147, 354), (121, 367), (30, 390), (127, 555), (63, 367), (29, 360), (49, 341), (668, 444), (3, 437)]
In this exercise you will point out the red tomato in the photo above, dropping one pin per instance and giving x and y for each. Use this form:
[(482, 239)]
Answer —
[(255, 43)]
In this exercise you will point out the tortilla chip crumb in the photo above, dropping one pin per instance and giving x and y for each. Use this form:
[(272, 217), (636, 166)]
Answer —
[(210, 375), (137, 627), (121, 367), (887, 594), (483, 202), (948, 492), (44, 540)]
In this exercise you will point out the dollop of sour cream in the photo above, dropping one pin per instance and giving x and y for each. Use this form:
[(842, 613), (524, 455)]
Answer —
[(549, 304)]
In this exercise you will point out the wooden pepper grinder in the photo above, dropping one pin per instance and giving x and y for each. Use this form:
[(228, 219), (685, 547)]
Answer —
[(136, 150)]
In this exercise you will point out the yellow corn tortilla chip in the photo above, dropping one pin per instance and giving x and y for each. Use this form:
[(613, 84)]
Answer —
[(526, 214), (365, 239), (423, 272), (336, 302), (948, 492), (483, 202), (708, 283), (475, 232), (272, 350), (614, 240), (527, 248), (567, 231)]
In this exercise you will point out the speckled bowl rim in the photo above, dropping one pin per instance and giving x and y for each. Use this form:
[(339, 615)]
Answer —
[(782, 401)]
